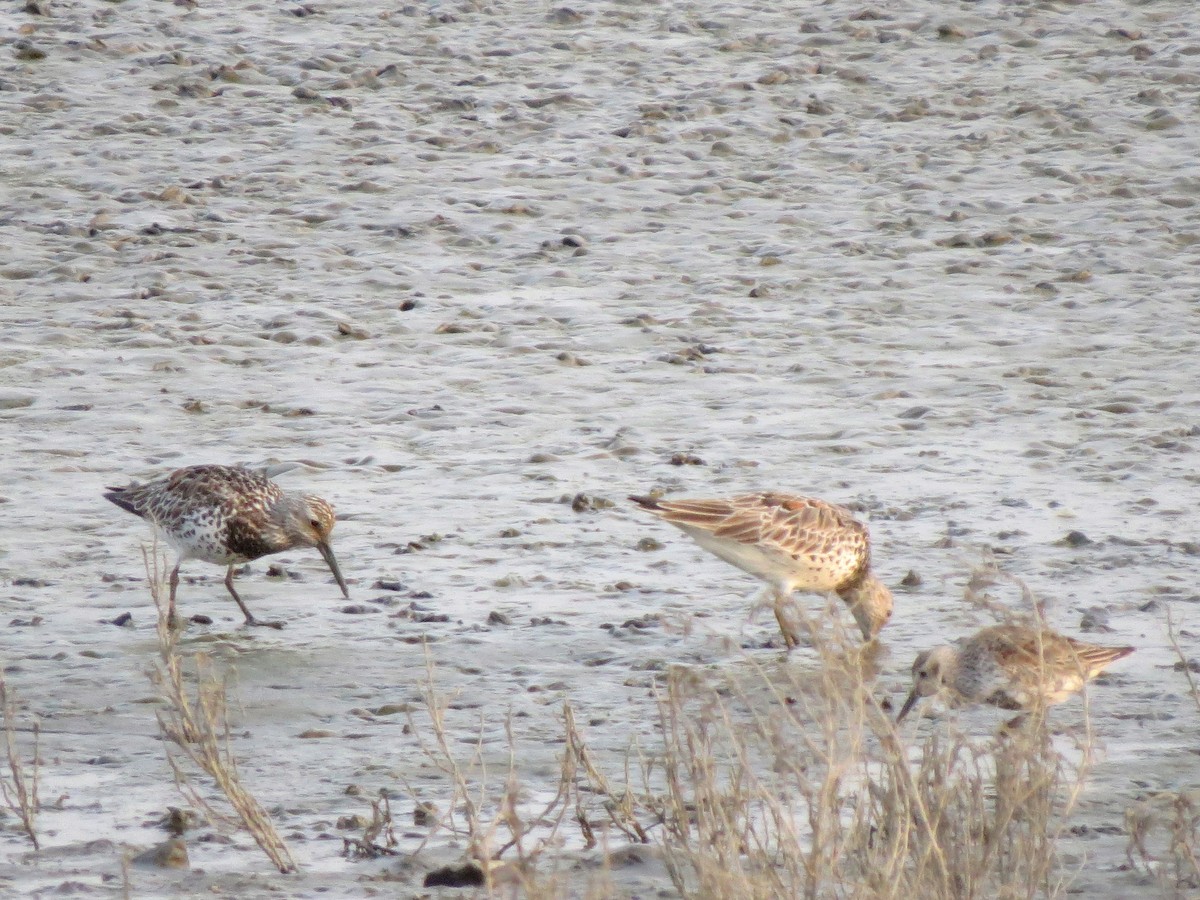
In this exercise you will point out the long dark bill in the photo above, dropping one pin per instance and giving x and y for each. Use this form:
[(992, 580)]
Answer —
[(327, 553), (908, 705)]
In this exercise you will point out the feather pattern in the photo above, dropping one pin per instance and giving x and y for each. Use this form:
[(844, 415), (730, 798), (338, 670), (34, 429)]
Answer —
[(791, 542), (1012, 667), (229, 515)]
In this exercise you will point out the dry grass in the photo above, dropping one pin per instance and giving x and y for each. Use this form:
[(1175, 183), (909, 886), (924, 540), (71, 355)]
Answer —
[(1164, 829), (508, 837), (19, 787), (784, 780), (795, 782), (194, 724)]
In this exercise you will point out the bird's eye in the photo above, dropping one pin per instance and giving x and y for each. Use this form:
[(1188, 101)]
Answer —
[(315, 523)]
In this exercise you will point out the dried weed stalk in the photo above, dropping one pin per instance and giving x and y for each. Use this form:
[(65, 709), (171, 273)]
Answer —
[(790, 782), (20, 787), (196, 731), (1170, 820), (506, 839), (380, 826)]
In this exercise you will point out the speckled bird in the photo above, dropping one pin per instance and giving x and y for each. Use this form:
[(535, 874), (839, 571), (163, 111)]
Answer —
[(1010, 666), (229, 515), (792, 543)]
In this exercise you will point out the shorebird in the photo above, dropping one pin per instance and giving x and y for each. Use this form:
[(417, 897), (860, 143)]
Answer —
[(229, 515), (1010, 666), (792, 543)]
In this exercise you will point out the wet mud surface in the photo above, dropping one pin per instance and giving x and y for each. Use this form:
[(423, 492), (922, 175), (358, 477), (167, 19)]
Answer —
[(482, 270)]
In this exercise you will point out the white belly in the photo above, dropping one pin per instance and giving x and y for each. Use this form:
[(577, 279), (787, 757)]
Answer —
[(774, 566)]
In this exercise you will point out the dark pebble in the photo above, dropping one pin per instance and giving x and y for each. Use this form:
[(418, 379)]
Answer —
[(915, 412), (122, 620), (30, 582), (466, 875), (686, 459), (382, 585), (1094, 619), (424, 815), (495, 617), (1076, 539), (912, 579), (200, 619), (357, 609)]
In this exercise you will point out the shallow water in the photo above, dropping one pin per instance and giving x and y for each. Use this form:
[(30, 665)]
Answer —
[(935, 261)]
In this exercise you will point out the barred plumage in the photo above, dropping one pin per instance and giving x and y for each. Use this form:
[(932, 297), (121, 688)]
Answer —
[(228, 515), (792, 543), (1010, 666)]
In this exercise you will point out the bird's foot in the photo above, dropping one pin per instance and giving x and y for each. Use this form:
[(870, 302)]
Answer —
[(265, 624)]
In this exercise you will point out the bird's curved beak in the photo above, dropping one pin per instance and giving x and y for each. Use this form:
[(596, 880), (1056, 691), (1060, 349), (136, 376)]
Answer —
[(327, 553), (908, 705)]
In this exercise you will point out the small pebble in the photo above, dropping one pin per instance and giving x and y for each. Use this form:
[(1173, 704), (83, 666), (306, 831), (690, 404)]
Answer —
[(495, 617), (170, 854)]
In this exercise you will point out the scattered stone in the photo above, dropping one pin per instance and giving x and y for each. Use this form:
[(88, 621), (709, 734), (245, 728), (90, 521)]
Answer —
[(649, 544), (316, 733), (30, 582), (201, 619), (581, 503), (382, 585), (170, 854), (915, 412), (27, 52), (495, 617), (911, 580), (355, 822), (424, 814), (686, 459), (358, 609), (1075, 539), (466, 875), (177, 821), (15, 400), (1094, 619), (122, 620), (391, 709)]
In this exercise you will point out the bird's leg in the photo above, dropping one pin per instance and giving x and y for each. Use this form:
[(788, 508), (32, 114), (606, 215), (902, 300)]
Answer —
[(250, 620), (173, 585), (779, 601)]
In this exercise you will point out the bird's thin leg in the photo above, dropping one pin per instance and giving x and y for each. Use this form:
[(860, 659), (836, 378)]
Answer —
[(779, 600), (250, 620), (173, 583)]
